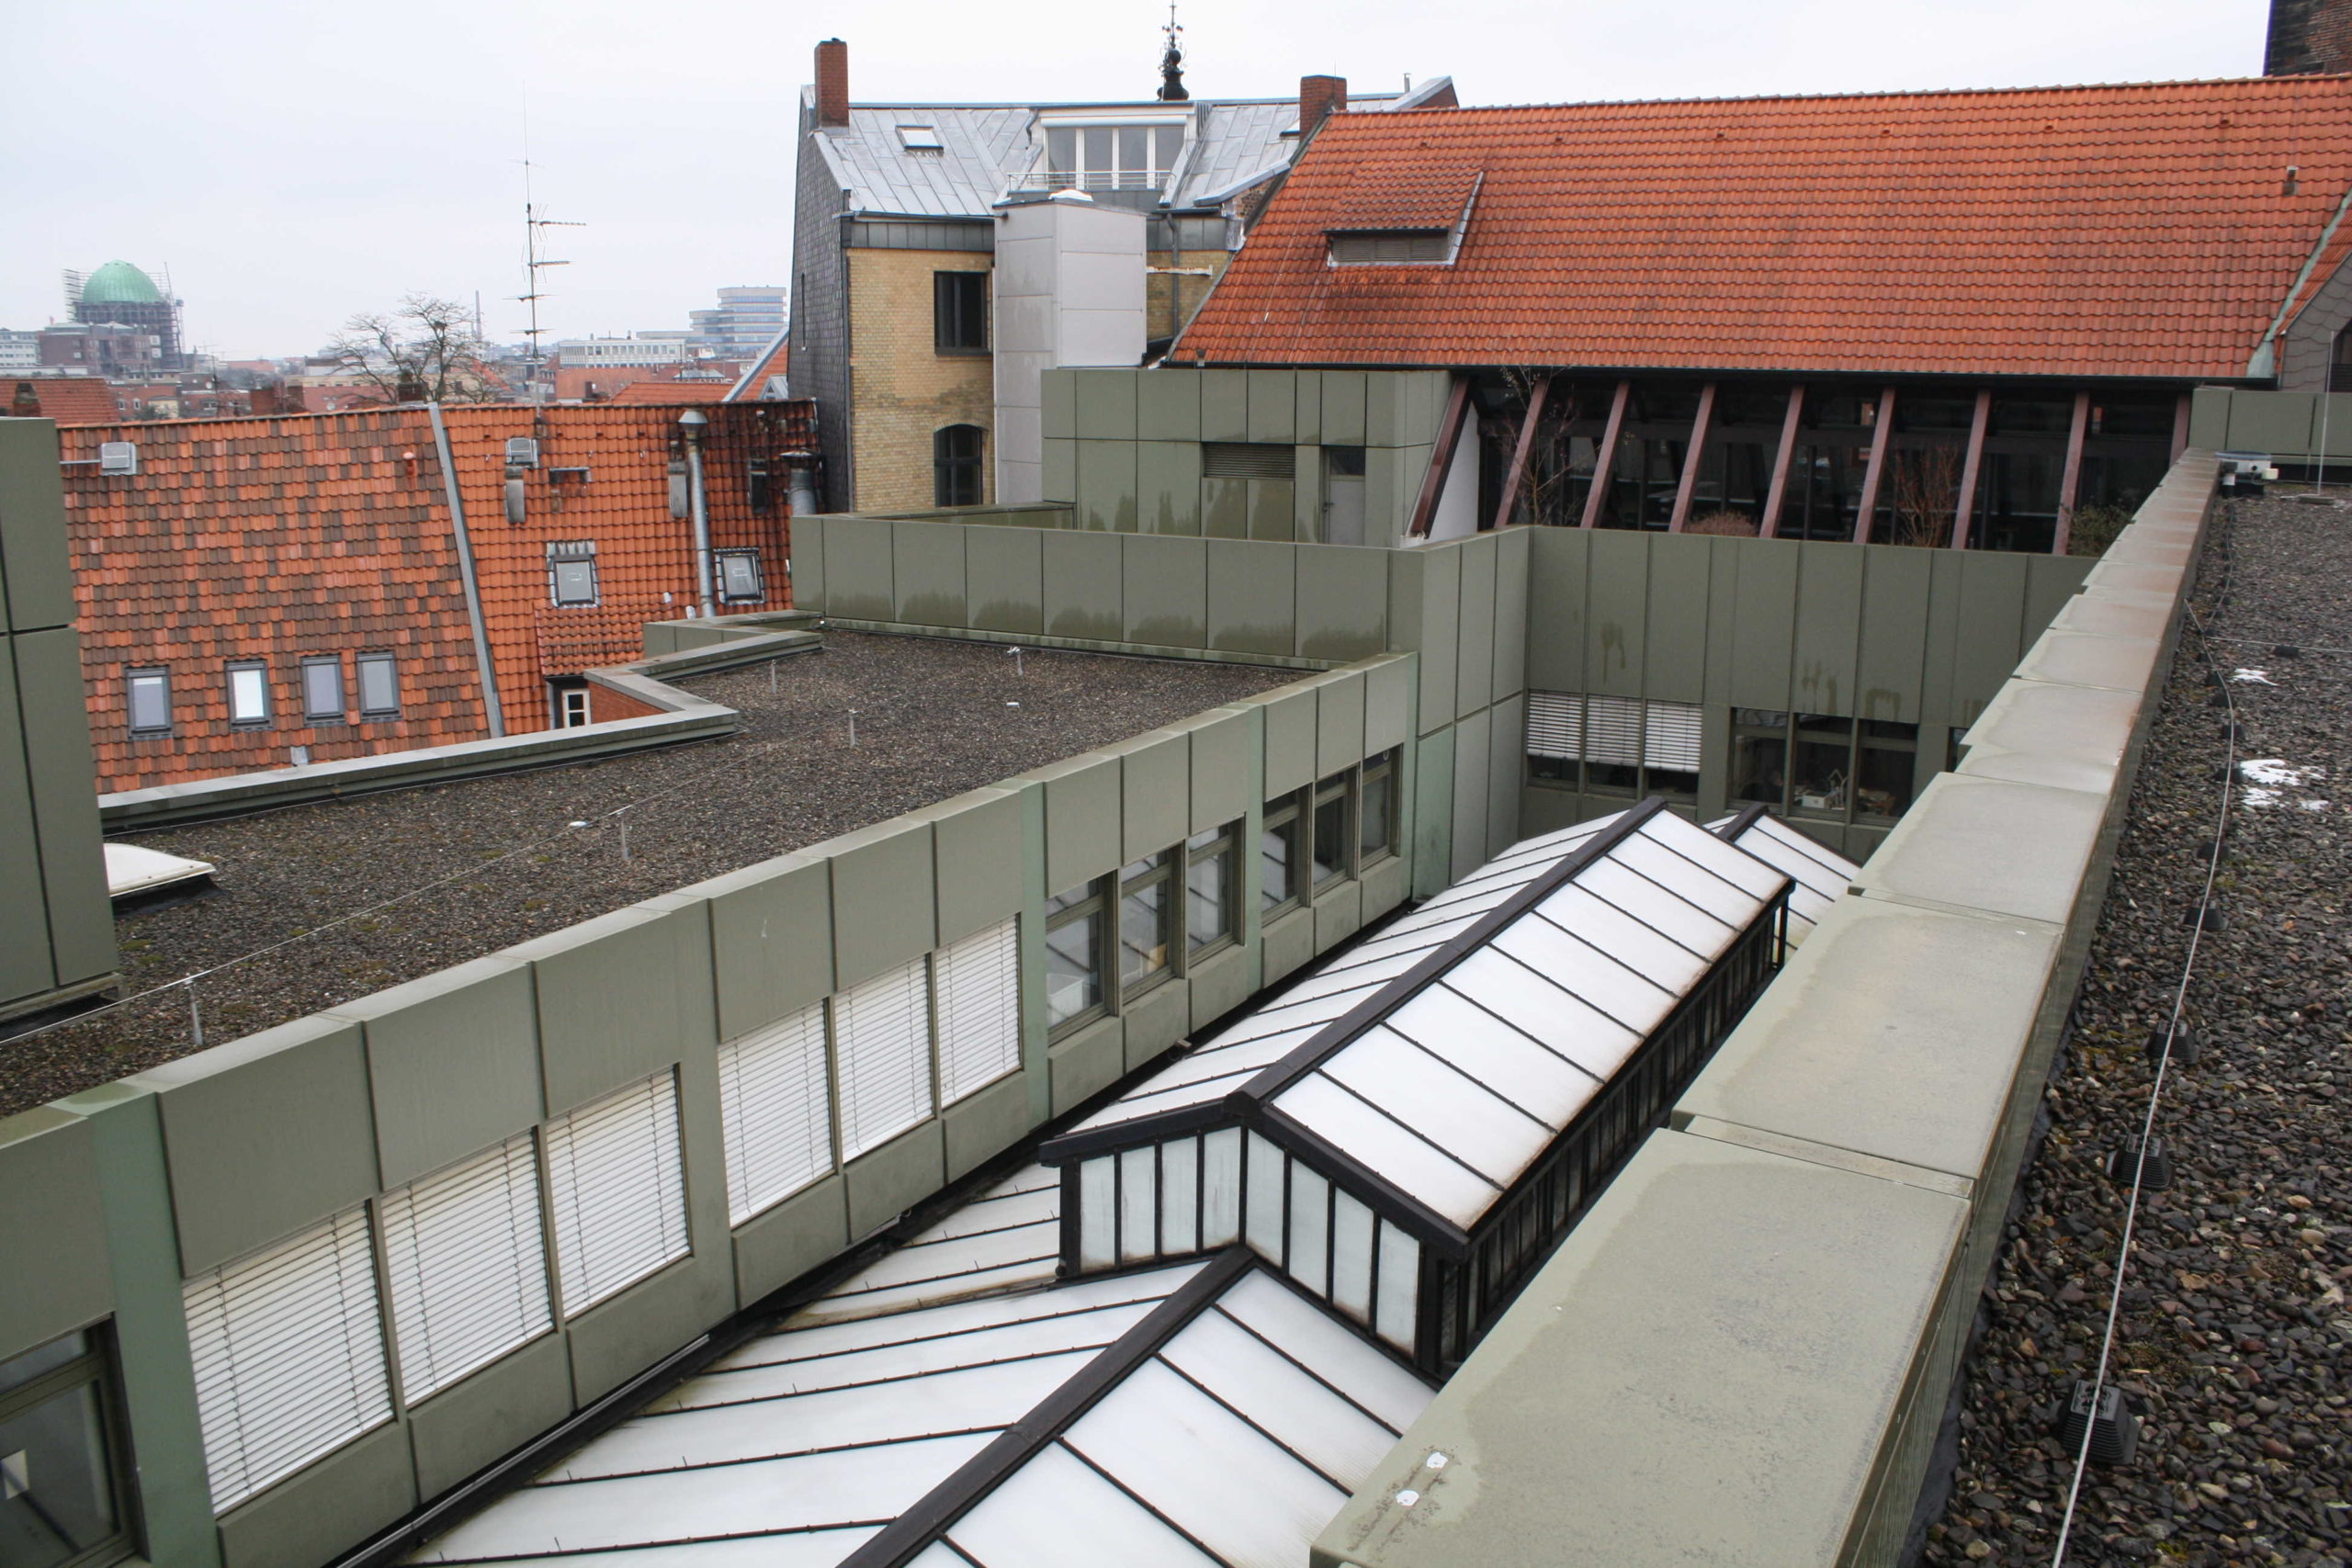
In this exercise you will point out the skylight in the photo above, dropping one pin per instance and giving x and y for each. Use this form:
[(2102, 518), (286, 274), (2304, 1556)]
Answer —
[(920, 138)]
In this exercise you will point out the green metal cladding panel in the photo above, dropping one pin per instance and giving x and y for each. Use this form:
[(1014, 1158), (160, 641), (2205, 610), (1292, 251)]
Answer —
[(1513, 550), (1154, 1021), (1472, 762), (778, 1245), (1675, 620), (1293, 720), (887, 1181), (1086, 1062), (806, 561), (35, 572), (1168, 405), (1058, 468), (1083, 585), (1473, 670), (1343, 602), (1287, 944), (1106, 404), (1617, 609), (1155, 790), (2281, 421), (2049, 582), (266, 1136), (1383, 423), (1106, 485), (1338, 720), (1388, 705), (1992, 620), (2209, 418), (1892, 661), (1225, 405), (1828, 623), (857, 568), (981, 1127), (1082, 820), (1343, 408), (1425, 616), (1432, 814), (1274, 509), (25, 967), (1307, 408), (1005, 579), (1057, 405), (1763, 624), (1558, 563), (51, 697), (772, 939), (490, 1413), (621, 997), (1252, 597), (978, 843), (58, 1279), (1274, 406), (617, 1339), (1307, 494), (1224, 763), (1225, 508), (1166, 591), (1339, 915), (1506, 768), (316, 1514), (927, 573), (1168, 484), (885, 901), (453, 1063)]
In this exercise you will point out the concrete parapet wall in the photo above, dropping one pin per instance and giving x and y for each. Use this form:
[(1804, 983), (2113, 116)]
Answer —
[(1742, 1354), (2295, 427)]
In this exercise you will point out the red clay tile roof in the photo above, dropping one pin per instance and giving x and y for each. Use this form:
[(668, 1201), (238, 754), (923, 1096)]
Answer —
[(2131, 231), (674, 392), (777, 361), (1393, 200), (68, 400)]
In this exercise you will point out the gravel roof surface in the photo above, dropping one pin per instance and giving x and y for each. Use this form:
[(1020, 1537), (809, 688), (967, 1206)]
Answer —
[(935, 719), (2234, 1342)]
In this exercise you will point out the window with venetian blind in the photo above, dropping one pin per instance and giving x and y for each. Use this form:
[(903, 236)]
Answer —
[(617, 1191), (882, 1055), (465, 1258), (978, 985), (288, 1351), (775, 1112)]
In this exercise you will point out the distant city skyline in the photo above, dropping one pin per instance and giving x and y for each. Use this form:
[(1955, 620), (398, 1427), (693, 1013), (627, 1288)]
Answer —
[(292, 164)]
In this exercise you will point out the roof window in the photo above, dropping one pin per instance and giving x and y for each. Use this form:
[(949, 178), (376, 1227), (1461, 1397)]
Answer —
[(920, 138), (1389, 222)]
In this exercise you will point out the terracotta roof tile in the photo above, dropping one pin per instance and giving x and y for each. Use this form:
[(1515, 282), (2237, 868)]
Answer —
[(2130, 231), (68, 400)]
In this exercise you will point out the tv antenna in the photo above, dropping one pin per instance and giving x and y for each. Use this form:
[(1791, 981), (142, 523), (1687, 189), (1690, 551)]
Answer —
[(532, 261)]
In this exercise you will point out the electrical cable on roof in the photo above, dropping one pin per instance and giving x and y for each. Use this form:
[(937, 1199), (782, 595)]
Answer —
[(2163, 1061)]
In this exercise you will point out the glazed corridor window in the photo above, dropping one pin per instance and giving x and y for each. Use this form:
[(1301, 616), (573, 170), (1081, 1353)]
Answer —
[(1614, 745), (959, 313), (1147, 922), (1213, 860), (1823, 767), (1328, 832), (249, 694), (380, 686), (955, 464), (148, 692), (322, 690), (1074, 955), (571, 571), (59, 1457), (1376, 810), (1281, 844)]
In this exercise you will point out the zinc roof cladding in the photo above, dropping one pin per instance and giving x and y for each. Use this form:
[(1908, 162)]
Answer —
[(2129, 231)]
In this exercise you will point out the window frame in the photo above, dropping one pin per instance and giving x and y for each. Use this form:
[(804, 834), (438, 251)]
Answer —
[(132, 679), (959, 311), (1157, 870), (1283, 814), (1388, 770), (235, 668), (314, 716), (1824, 729), (1087, 902), (95, 1369), (947, 470), (1577, 773), (573, 552), (1218, 843), (719, 560), (360, 665), (1333, 789)]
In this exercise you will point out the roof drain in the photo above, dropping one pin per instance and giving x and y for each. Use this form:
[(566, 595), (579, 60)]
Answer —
[(466, 575)]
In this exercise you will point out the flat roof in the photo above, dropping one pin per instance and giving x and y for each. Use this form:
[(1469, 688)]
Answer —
[(499, 861)]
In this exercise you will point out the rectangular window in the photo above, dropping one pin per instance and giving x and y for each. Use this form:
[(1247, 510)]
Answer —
[(59, 1456), (249, 694), (959, 311), (775, 1112), (569, 705), (1074, 990), (322, 690), (1376, 808), (1147, 922), (978, 985), (1399, 248), (1612, 745), (150, 694), (617, 1190), (1214, 862), (739, 579), (1331, 831), (571, 571), (380, 686), (1281, 853), (1672, 734), (1884, 769), (882, 1055), (467, 1265), (1822, 776), (955, 452), (289, 1351), (1555, 736), (1759, 756)]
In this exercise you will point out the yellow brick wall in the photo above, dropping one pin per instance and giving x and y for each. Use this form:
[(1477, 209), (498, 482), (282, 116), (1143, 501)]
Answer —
[(1158, 288), (903, 388)]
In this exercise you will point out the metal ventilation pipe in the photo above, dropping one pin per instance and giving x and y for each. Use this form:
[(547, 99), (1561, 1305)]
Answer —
[(803, 494), (692, 423)]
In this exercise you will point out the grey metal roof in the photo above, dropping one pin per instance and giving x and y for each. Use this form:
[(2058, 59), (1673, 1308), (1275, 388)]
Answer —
[(985, 147)]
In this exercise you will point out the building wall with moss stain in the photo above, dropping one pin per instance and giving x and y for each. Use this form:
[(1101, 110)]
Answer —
[(904, 389)]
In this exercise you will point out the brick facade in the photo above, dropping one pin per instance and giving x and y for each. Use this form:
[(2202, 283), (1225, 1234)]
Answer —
[(2308, 38), (904, 389)]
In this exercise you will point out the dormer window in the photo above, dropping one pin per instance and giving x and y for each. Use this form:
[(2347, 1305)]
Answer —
[(920, 138), (1108, 155), (1417, 221)]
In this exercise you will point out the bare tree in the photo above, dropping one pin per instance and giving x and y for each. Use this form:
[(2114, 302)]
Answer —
[(1927, 494), (1543, 482), (425, 350)]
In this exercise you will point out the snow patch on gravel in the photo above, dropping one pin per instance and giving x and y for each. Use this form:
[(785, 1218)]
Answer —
[(2260, 676)]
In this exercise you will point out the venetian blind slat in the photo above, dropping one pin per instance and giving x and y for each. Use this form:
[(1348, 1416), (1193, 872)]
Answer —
[(617, 1191), (882, 1053), (1555, 724), (1612, 730), (979, 981), (466, 1261), (776, 1108), (1673, 735)]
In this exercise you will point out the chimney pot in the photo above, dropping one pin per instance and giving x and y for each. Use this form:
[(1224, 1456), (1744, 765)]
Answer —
[(1318, 96), (832, 83)]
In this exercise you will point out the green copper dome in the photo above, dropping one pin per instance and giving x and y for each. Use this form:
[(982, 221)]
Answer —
[(120, 283)]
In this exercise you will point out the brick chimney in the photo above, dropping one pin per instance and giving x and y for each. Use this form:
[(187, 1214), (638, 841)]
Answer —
[(832, 83), (1317, 97)]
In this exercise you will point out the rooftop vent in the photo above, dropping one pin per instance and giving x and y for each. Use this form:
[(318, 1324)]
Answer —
[(117, 456), (522, 452)]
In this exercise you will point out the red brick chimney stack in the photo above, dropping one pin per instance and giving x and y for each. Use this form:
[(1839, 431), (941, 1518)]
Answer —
[(832, 83), (1317, 97)]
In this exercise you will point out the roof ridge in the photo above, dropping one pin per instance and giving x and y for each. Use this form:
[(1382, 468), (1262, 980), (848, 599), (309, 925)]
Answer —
[(1889, 92)]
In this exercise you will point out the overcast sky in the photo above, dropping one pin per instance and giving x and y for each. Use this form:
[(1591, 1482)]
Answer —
[(294, 161)]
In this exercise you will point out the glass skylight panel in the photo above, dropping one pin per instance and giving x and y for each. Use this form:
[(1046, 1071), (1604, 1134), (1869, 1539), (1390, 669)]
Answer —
[(913, 1358), (1701, 933), (1056, 1512), (1696, 844), (1733, 905), (1496, 1053), (1440, 1104), (1353, 978), (1404, 1158), (1551, 956), (1139, 1204), (1275, 1395), (1310, 1225), (959, 1318), (1301, 1331), (1353, 1227), (1569, 1027), (920, 139), (1639, 947), (1180, 1196)]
